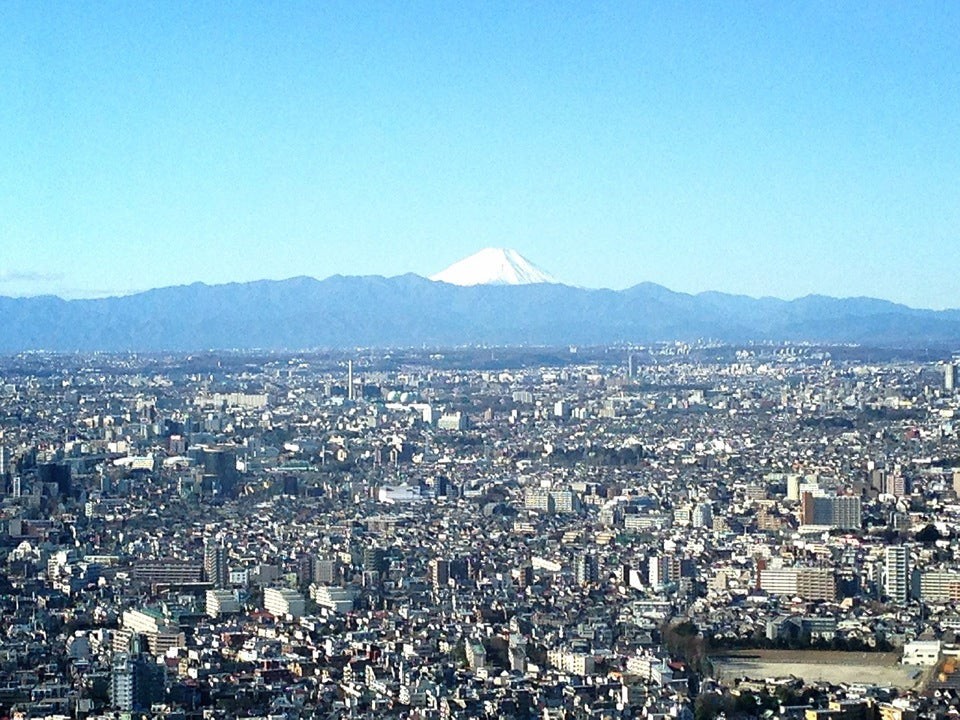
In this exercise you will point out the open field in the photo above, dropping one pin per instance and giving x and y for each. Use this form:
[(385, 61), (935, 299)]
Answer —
[(820, 666)]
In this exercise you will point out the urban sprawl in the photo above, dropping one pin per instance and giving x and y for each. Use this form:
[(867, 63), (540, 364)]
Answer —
[(681, 531)]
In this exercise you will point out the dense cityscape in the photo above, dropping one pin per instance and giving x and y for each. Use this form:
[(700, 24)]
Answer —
[(680, 530), (494, 361)]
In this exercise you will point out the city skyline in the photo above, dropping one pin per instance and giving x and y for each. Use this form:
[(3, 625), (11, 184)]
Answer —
[(766, 151)]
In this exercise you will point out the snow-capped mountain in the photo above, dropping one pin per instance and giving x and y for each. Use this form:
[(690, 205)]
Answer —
[(494, 266)]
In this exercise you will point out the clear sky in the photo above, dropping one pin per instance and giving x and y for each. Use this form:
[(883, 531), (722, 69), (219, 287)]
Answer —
[(764, 148)]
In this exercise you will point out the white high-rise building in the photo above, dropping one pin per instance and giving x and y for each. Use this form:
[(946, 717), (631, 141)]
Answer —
[(896, 580), (121, 682)]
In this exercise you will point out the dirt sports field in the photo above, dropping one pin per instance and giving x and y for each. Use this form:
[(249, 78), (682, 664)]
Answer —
[(818, 666)]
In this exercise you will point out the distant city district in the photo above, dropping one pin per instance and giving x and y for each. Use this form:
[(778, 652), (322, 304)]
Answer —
[(678, 531)]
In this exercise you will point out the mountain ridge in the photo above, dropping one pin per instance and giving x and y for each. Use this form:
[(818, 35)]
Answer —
[(409, 310)]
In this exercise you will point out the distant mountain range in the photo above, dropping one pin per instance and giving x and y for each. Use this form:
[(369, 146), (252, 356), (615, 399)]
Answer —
[(409, 310)]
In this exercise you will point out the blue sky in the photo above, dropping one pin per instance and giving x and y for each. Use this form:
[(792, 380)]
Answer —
[(759, 148)]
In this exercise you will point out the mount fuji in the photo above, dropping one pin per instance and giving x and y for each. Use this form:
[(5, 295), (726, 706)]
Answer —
[(494, 266)]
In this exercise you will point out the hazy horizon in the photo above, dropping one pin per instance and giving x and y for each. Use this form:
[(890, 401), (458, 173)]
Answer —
[(117, 294)]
